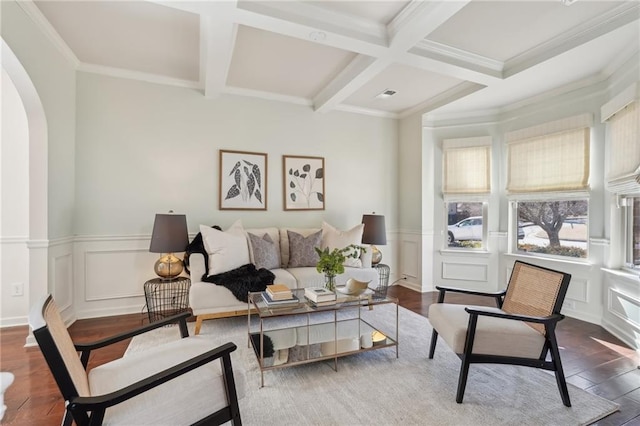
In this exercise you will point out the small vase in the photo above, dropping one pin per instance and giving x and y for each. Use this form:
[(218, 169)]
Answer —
[(330, 282)]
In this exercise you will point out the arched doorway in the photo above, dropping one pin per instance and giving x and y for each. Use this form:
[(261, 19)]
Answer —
[(37, 241)]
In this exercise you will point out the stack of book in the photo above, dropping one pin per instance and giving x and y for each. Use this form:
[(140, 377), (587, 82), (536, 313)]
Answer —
[(279, 295), (279, 292), (320, 296)]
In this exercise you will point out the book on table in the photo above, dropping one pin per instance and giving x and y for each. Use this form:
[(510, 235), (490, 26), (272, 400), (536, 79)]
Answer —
[(320, 304), (279, 292), (286, 302), (319, 294)]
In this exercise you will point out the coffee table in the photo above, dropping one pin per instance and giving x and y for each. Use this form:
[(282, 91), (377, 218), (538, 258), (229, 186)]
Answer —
[(292, 335)]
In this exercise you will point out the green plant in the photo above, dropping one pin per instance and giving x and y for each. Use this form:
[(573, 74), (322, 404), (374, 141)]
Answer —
[(331, 262)]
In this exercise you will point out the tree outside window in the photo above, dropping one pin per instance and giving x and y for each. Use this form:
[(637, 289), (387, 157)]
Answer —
[(554, 227)]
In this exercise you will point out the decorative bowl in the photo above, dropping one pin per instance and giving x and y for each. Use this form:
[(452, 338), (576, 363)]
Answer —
[(353, 287)]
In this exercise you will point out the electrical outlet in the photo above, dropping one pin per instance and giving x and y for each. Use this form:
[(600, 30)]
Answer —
[(17, 289)]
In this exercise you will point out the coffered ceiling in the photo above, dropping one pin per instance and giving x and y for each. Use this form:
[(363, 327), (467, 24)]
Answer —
[(448, 57)]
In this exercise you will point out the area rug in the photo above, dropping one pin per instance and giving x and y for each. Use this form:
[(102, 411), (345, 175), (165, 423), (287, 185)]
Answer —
[(375, 387)]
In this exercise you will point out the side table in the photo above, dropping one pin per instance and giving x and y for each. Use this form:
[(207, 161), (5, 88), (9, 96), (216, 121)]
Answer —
[(383, 283), (166, 297)]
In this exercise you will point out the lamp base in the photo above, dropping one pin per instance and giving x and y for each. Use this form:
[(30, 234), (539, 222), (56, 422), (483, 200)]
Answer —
[(168, 266), (376, 255)]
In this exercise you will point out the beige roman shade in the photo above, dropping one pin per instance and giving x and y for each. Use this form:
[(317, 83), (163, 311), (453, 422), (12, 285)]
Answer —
[(552, 157), (623, 140), (466, 166)]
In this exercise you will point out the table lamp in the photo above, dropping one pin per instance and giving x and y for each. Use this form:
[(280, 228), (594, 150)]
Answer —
[(374, 233), (169, 235)]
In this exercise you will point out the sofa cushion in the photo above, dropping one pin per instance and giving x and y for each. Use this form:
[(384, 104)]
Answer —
[(266, 252), (284, 241), (333, 238), (302, 249), (273, 232), (227, 250)]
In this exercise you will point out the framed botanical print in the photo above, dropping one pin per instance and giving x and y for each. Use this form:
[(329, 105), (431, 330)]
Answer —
[(303, 182), (243, 180)]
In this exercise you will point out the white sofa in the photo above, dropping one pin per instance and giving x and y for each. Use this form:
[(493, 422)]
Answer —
[(209, 300)]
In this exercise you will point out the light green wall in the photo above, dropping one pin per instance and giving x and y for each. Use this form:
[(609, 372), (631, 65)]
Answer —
[(144, 148)]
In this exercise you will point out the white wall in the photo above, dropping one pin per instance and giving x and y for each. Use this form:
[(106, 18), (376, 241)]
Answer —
[(144, 148), (14, 203), (47, 88)]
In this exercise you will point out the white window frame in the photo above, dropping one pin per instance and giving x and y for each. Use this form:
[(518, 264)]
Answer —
[(484, 246), (626, 203), (474, 188)]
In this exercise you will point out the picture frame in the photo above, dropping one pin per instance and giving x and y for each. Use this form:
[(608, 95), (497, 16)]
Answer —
[(303, 182), (243, 180)]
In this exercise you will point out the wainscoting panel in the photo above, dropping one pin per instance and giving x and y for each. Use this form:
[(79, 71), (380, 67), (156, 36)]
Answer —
[(464, 271), (409, 260), (578, 290), (62, 273), (625, 307), (117, 273)]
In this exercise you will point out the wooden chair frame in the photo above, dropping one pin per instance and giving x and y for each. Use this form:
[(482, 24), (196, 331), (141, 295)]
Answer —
[(91, 410), (549, 323)]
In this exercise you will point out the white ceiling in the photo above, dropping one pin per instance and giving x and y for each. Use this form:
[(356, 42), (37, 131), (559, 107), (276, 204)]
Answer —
[(447, 56)]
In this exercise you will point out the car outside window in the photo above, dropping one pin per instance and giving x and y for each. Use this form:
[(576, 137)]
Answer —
[(465, 229)]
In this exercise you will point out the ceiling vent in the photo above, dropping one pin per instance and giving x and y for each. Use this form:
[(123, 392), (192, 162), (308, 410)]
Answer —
[(387, 93)]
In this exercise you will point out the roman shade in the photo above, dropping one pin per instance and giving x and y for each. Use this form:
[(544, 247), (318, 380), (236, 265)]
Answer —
[(622, 115), (552, 157), (466, 166)]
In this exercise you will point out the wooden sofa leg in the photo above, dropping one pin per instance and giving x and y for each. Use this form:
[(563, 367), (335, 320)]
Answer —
[(198, 324)]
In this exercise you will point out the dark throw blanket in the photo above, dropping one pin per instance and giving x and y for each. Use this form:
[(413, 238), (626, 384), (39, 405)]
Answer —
[(197, 246), (242, 280)]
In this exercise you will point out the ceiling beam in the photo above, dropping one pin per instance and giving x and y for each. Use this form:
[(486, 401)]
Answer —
[(217, 40), (410, 26)]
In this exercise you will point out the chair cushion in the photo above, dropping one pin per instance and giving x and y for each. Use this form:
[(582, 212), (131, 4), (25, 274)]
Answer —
[(183, 400), (494, 336)]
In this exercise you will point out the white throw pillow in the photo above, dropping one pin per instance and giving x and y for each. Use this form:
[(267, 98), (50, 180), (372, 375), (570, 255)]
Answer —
[(334, 238), (227, 250)]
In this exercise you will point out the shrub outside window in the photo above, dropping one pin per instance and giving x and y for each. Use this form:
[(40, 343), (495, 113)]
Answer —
[(554, 227)]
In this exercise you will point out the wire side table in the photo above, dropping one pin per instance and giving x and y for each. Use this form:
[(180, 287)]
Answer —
[(383, 283), (166, 297)]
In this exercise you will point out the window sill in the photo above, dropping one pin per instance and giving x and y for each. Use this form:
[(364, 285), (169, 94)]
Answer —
[(465, 252), (571, 261), (624, 274)]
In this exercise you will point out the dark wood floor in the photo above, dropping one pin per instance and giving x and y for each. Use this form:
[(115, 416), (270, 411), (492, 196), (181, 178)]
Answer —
[(592, 358)]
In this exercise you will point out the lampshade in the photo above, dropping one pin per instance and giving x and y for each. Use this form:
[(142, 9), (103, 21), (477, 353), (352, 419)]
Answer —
[(169, 233), (374, 233), (374, 229)]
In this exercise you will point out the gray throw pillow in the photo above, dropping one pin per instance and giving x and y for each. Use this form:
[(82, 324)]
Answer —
[(301, 249), (266, 253)]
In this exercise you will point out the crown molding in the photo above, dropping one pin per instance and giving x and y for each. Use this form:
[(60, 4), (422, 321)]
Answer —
[(596, 27), (49, 32), (457, 56), (366, 111), (138, 75), (318, 18), (454, 93), (270, 96)]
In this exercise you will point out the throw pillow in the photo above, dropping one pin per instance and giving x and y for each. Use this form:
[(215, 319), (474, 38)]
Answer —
[(334, 238), (227, 250), (302, 249), (266, 254)]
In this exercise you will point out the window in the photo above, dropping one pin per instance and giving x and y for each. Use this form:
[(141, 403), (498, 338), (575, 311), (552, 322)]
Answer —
[(466, 184), (622, 116), (553, 227), (548, 181), (465, 225), (632, 252)]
